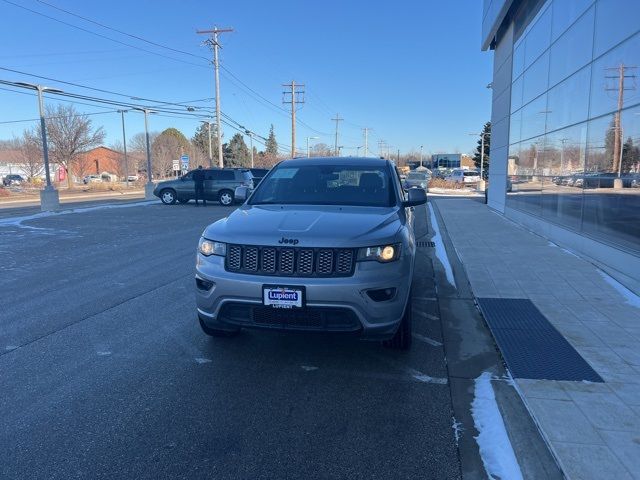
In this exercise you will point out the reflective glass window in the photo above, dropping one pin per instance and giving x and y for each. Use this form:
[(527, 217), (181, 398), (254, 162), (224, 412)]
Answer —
[(565, 12), (615, 21), (612, 180), (605, 78), (533, 118), (538, 38), (572, 50), (536, 78), (516, 94), (518, 59), (515, 126), (563, 163), (568, 102)]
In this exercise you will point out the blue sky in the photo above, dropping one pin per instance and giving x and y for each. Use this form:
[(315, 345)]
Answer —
[(410, 70)]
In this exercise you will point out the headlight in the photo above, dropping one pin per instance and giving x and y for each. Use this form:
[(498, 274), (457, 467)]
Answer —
[(209, 247), (383, 253)]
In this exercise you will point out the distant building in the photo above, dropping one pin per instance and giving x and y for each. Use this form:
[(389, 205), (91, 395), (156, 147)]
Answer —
[(565, 123), (445, 160), (96, 161)]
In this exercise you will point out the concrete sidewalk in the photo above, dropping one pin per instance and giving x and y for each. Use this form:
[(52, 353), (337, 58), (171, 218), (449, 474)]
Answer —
[(593, 429)]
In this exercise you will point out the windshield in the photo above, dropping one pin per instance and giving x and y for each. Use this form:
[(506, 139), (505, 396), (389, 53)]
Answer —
[(326, 185), (470, 174)]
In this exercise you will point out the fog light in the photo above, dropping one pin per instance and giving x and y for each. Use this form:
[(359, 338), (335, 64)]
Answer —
[(381, 294), (204, 285)]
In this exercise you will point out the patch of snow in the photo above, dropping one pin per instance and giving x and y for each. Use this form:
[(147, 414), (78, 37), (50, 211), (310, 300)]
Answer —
[(457, 430), (308, 368), (630, 297), (427, 315), (566, 250), (104, 353), (421, 377), (441, 252), (428, 340), (202, 360), (17, 221), (493, 442), (551, 244), (9, 348)]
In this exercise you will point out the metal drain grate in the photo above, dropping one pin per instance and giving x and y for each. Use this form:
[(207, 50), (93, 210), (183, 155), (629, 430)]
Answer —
[(530, 345), (426, 244)]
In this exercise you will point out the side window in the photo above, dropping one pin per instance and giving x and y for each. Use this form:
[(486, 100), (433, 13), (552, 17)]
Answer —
[(225, 175), (210, 175), (188, 176)]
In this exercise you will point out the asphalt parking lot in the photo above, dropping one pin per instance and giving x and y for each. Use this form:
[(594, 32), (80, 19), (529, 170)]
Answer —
[(104, 371)]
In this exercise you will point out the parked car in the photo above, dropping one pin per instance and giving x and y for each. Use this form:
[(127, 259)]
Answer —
[(92, 179), (323, 244), (133, 178), (219, 185), (258, 173), (417, 179), (243, 192), (466, 177), (13, 179)]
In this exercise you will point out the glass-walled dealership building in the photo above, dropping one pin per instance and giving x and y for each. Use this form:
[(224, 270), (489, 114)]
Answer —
[(565, 147)]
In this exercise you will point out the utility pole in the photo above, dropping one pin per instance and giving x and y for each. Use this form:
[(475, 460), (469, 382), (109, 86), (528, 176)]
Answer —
[(297, 97), (366, 141), (337, 120), (250, 133), (381, 145), (214, 44), (124, 145), (421, 146), (398, 161), (617, 126), (208, 124)]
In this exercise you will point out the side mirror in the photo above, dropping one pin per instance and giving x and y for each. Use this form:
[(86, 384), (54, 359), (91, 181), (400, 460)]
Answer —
[(415, 196)]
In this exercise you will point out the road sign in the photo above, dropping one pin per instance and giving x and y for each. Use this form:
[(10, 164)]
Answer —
[(185, 162), (176, 165)]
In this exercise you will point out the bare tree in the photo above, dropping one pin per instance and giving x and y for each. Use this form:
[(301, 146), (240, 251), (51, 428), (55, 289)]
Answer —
[(166, 148), (25, 151), (138, 149), (69, 134)]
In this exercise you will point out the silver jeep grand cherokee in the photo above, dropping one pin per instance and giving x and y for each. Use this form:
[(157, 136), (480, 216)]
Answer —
[(323, 244)]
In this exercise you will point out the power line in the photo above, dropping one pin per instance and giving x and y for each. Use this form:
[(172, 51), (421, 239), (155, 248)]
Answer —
[(150, 42), (100, 35)]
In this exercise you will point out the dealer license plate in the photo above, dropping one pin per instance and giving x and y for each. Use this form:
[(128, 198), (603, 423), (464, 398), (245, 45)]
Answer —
[(282, 296)]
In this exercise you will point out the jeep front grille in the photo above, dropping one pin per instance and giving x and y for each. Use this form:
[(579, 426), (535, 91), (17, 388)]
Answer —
[(290, 262)]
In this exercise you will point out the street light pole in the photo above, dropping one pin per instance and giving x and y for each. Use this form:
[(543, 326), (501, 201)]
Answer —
[(149, 186), (308, 151), (421, 156), (124, 145), (49, 199)]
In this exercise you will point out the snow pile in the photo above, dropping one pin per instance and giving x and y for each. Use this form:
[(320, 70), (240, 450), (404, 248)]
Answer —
[(441, 252), (630, 297), (17, 221), (493, 442)]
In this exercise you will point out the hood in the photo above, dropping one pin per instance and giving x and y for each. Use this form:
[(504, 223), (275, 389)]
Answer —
[(311, 226)]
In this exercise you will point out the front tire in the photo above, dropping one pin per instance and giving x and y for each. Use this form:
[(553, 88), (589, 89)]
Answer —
[(215, 332), (402, 339), (168, 196), (226, 198)]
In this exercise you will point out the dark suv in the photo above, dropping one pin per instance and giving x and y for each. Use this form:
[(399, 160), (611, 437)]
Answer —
[(12, 179), (219, 184)]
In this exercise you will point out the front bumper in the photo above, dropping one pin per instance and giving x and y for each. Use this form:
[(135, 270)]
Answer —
[(328, 300)]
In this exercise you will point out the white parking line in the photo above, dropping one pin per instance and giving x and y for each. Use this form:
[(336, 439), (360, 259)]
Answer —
[(427, 315)]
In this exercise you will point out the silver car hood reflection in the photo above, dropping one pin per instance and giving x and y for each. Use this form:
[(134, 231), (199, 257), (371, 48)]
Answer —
[(308, 226)]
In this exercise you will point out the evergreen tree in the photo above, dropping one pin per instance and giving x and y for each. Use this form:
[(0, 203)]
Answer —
[(272, 145), (236, 152), (486, 131), (200, 141)]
